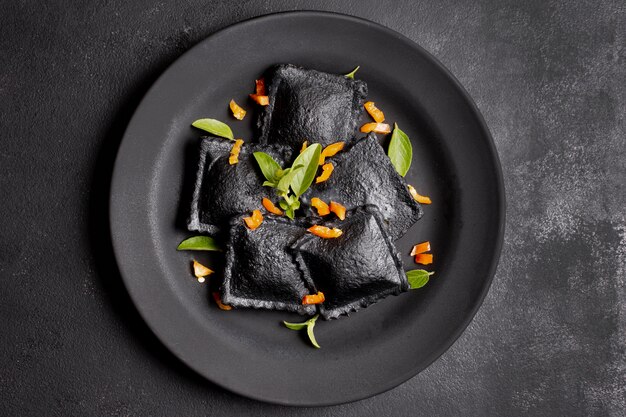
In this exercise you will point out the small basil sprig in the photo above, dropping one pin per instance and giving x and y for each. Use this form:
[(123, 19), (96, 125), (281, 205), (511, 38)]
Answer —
[(418, 278), (297, 178), (214, 127), (309, 324), (351, 74), (400, 151), (199, 243)]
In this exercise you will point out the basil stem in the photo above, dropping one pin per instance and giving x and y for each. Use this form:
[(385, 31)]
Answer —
[(309, 324), (351, 74)]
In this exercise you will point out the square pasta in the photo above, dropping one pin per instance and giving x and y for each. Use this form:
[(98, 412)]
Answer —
[(354, 270), (310, 105), (223, 190), (260, 270), (363, 174)]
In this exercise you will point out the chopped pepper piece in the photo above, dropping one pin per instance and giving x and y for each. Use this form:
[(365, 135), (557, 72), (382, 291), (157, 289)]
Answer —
[(424, 258), (259, 87), (201, 271), (420, 248), (376, 113), (260, 96), (322, 208), (338, 209), (234, 152), (422, 199), (304, 146), (238, 112), (382, 128), (331, 150), (327, 169), (218, 301), (254, 221), (325, 232), (313, 299), (269, 206)]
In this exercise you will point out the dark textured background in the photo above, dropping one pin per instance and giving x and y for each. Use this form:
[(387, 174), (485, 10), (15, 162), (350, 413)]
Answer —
[(550, 79)]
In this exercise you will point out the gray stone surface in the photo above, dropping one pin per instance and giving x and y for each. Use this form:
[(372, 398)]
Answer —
[(550, 80)]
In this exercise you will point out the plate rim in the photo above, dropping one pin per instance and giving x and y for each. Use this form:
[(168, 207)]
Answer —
[(493, 156)]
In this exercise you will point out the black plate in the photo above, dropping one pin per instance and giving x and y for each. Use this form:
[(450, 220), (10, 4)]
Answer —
[(248, 351)]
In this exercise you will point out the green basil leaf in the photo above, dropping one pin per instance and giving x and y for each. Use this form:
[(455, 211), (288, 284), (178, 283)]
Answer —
[(309, 159), (351, 74), (199, 243), (295, 326), (214, 127), (418, 278), (289, 212), (269, 167), (288, 178), (309, 330), (400, 151), (269, 184)]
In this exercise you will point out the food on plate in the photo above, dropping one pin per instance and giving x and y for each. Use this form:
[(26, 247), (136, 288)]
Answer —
[(309, 210), (305, 104), (356, 269), (260, 271), (223, 190), (364, 175)]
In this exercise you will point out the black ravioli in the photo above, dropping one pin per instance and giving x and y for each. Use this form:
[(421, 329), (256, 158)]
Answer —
[(363, 175), (357, 269), (223, 190), (310, 105), (260, 270)]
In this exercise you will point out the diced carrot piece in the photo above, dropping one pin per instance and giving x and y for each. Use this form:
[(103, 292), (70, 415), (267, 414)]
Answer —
[(304, 146), (269, 206), (255, 220), (313, 298), (238, 112), (424, 258), (201, 271), (331, 150), (218, 301), (322, 208), (420, 248), (325, 232), (422, 199), (260, 99), (376, 113), (338, 209), (260, 87), (234, 152), (327, 169), (382, 128)]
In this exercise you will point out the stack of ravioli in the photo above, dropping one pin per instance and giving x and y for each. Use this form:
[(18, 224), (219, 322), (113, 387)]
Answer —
[(277, 264)]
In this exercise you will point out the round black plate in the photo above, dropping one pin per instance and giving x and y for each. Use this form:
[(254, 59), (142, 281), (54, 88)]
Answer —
[(249, 351)]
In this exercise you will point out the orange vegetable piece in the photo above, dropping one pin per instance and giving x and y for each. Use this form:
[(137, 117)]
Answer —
[(325, 232), (424, 258), (420, 248), (376, 114), (313, 299), (234, 152), (422, 199), (218, 301), (330, 150), (238, 112), (269, 206), (327, 169), (338, 209), (201, 271), (260, 87), (255, 220), (322, 208), (262, 100), (304, 146), (382, 128)]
